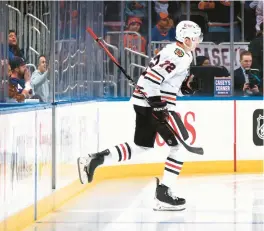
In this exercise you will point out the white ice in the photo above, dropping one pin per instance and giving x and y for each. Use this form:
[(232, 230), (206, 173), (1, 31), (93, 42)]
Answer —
[(214, 203)]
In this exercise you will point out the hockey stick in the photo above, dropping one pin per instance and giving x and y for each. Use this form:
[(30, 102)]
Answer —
[(196, 150)]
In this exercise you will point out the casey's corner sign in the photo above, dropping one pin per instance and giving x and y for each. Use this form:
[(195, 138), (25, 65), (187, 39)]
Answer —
[(222, 86), (219, 55)]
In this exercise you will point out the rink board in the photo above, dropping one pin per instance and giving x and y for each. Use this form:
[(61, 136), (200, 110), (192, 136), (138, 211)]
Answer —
[(26, 150)]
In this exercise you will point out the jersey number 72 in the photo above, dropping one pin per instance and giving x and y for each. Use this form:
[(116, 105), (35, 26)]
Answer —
[(167, 65)]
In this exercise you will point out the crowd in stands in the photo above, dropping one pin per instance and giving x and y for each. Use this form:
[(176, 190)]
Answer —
[(28, 79), (212, 16), (22, 84), (214, 19)]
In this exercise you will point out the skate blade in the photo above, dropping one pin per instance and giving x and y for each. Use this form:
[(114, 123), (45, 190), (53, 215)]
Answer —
[(161, 206), (81, 163)]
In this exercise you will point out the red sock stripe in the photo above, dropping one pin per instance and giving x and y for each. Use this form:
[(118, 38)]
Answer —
[(124, 151), (173, 166)]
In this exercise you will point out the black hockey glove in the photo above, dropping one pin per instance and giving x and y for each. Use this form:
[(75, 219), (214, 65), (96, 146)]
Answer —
[(193, 84), (159, 109), (186, 90)]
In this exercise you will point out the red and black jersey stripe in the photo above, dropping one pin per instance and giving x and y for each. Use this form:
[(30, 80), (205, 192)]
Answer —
[(138, 97), (170, 97), (153, 76), (137, 93), (158, 74)]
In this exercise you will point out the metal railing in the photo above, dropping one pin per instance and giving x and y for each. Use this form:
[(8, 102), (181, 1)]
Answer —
[(36, 36), (135, 62), (31, 66), (110, 71), (235, 43), (70, 67)]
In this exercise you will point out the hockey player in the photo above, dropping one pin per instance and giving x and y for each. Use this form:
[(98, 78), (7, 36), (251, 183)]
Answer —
[(161, 82)]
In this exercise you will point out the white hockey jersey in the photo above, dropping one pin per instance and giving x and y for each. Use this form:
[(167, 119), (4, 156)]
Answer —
[(164, 75)]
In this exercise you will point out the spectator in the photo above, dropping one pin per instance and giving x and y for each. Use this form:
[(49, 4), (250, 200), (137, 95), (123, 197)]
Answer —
[(242, 76), (250, 19), (14, 49), (132, 40), (161, 7), (164, 30), (202, 61), (258, 5), (17, 89), (135, 9), (256, 48), (219, 20), (39, 80)]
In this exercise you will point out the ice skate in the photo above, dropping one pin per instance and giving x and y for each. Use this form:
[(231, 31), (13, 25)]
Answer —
[(165, 201), (87, 165)]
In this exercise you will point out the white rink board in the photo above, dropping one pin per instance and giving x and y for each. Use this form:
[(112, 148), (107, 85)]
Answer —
[(44, 152), (17, 158), (94, 126), (76, 136), (209, 123), (246, 149)]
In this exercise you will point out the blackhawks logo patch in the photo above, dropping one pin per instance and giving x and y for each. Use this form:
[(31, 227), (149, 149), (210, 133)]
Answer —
[(179, 52)]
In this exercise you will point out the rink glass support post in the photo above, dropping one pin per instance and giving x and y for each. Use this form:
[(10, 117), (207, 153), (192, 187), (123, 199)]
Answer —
[(232, 57), (54, 162), (4, 15), (53, 76), (149, 30), (242, 21), (188, 10), (235, 137), (122, 53), (36, 169)]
